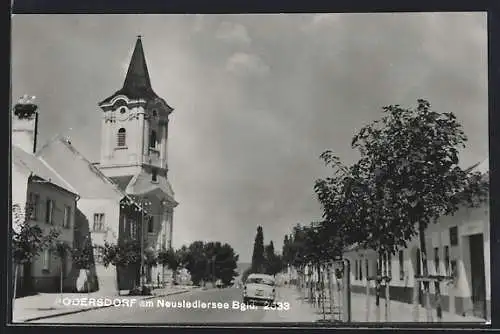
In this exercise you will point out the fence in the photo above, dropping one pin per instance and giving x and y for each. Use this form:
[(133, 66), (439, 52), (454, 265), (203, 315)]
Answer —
[(329, 292)]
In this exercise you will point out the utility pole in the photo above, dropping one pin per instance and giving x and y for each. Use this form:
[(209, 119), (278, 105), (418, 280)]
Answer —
[(213, 270), (142, 243)]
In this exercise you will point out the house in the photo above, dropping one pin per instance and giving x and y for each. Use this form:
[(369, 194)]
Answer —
[(134, 133), (103, 214), (458, 244), (125, 196), (51, 202)]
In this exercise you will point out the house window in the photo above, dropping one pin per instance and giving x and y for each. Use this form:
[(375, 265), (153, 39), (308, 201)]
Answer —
[(98, 222), (32, 208), (356, 270), (367, 265), (49, 212), (152, 139), (361, 270), (154, 176), (454, 236), (447, 260), (401, 266), (67, 217), (46, 260), (123, 110), (436, 260), (151, 225), (122, 134), (155, 113)]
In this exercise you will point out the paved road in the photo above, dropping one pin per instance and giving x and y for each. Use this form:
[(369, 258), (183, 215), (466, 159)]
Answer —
[(168, 315)]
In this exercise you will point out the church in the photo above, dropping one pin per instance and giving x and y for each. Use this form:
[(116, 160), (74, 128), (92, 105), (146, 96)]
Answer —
[(134, 135), (126, 190)]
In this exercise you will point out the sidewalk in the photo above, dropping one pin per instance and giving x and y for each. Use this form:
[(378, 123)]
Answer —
[(48, 305), (299, 311), (399, 312)]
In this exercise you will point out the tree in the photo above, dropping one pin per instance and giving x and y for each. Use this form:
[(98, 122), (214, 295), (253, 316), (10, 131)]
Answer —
[(226, 262), (273, 264), (171, 259), (258, 257), (122, 255), (28, 240), (83, 258), (196, 262), (408, 176), (62, 249)]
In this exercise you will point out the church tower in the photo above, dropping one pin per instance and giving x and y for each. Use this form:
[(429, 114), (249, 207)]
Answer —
[(134, 134), (135, 123)]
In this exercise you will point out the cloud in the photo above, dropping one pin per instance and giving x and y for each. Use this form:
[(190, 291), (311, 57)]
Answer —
[(242, 63), (233, 33), (245, 152)]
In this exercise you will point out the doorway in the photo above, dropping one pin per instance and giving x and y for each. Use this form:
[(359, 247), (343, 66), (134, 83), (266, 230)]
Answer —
[(478, 282)]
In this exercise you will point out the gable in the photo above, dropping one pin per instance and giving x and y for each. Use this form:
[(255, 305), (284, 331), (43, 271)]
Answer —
[(77, 170)]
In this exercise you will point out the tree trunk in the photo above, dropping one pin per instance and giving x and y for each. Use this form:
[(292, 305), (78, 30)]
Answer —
[(423, 254), (377, 286), (323, 292), (61, 282), (386, 283), (16, 266), (163, 274), (330, 294)]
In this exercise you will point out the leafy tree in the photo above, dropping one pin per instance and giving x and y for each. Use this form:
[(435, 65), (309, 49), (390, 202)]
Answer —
[(226, 262), (258, 257), (407, 177), (273, 263), (28, 240), (83, 258), (124, 254), (208, 261), (196, 262), (62, 250), (171, 259)]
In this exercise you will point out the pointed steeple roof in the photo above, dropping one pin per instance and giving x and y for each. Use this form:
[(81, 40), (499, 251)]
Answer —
[(137, 84), (137, 75)]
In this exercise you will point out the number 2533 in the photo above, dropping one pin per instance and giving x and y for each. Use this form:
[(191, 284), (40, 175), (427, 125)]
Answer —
[(279, 306)]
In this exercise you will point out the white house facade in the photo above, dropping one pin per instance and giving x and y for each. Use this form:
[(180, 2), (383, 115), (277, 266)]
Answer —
[(458, 245)]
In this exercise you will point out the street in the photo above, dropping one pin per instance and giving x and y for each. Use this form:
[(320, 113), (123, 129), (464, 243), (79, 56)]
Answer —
[(156, 314)]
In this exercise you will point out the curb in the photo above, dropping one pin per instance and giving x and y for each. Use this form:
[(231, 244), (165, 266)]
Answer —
[(95, 308)]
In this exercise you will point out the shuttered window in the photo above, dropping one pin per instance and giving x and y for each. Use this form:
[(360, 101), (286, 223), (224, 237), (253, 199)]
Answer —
[(122, 137)]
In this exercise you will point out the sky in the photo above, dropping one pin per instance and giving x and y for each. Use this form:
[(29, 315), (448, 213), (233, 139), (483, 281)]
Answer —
[(257, 98)]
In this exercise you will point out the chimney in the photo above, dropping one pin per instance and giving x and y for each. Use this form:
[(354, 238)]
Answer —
[(25, 124)]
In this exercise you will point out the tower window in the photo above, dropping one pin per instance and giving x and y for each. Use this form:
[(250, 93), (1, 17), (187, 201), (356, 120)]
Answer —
[(155, 113), (152, 139), (122, 137), (154, 176)]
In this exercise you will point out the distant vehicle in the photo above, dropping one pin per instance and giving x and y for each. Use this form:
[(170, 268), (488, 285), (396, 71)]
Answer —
[(219, 284), (259, 287)]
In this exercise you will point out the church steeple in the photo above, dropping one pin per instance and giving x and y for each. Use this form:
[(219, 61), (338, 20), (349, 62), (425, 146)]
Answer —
[(135, 122), (137, 75), (137, 84)]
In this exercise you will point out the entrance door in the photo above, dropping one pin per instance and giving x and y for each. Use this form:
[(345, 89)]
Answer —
[(478, 284)]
